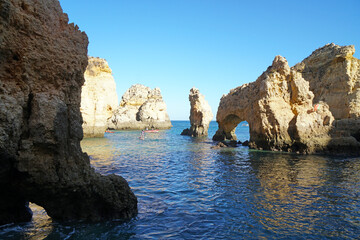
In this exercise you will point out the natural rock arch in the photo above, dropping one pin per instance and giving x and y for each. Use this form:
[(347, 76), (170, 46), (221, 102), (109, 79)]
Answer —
[(284, 113), (258, 104), (227, 129), (269, 105)]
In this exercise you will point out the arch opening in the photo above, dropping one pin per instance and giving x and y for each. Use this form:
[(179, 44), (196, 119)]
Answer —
[(227, 128)]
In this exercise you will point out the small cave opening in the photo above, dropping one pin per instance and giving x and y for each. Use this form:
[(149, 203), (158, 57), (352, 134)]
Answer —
[(356, 135), (39, 213), (40, 220)]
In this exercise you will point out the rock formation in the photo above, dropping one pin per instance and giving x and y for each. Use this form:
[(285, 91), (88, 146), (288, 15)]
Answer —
[(98, 97), (42, 64), (200, 115), (312, 107), (140, 108), (334, 77)]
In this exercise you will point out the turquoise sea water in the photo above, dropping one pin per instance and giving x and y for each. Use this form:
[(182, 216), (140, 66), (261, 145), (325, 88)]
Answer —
[(186, 190)]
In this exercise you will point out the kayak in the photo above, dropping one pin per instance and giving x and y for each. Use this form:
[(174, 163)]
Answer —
[(107, 131), (152, 131)]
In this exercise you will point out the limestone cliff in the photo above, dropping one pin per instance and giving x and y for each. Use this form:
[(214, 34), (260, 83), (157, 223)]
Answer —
[(140, 107), (42, 64), (285, 114), (200, 115), (334, 77), (98, 97)]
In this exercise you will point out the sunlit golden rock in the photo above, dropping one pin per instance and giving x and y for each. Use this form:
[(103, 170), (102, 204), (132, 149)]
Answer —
[(98, 97), (140, 107), (312, 107), (200, 114)]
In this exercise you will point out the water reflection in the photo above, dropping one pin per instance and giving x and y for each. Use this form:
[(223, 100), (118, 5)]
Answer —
[(100, 150), (186, 190), (301, 194), (40, 226)]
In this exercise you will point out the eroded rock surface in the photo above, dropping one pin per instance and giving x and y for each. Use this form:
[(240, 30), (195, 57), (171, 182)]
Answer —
[(140, 107), (200, 115), (334, 77), (98, 97), (309, 108), (42, 64)]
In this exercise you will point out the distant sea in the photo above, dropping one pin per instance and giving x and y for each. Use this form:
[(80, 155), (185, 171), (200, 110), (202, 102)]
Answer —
[(186, 190)]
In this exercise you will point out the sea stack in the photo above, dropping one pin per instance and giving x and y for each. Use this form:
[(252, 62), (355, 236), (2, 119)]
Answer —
[(140, 107), (200, 115), (309, 108), (42, 65), (98, 97)]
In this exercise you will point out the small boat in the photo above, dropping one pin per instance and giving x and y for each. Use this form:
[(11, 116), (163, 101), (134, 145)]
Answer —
[(152, 131), (107, 131)]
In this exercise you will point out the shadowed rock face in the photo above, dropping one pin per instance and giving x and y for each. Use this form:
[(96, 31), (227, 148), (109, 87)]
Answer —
[(98, 97), (140, 107), (200, 115), (42, 64), (312, 107)]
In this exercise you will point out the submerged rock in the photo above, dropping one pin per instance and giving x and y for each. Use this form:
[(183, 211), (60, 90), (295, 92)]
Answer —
[(98, 97), (140, 108), (185, 132), (312, 107), (219, 145), (232, 143), (42, 64), (200, 114), (225, 144)]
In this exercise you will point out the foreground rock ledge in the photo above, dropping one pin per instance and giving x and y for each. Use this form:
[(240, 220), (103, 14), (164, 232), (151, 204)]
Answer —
[(310, 108), (42, 64)]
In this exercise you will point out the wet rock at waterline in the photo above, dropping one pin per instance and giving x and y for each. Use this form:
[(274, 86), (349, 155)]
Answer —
[(200, 115), (98, 97), (42, 64), (225, 144), (185, 132), (219, 145), (140, 108), (287, 108)]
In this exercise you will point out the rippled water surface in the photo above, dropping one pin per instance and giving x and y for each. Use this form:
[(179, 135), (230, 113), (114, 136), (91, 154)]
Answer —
[(186, 190)]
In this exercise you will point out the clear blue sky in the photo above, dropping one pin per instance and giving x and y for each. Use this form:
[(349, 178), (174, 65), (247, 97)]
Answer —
[(214, 45)]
